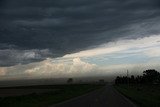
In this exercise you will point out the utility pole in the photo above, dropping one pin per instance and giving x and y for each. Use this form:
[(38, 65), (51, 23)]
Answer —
[(127, 77), (127, 73)]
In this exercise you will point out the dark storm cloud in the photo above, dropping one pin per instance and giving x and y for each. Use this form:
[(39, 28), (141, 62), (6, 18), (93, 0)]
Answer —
[(66, 26)]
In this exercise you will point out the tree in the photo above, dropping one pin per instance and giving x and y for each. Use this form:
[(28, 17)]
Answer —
[(118, 80), (132, 79), (151, 75), (70, 80)]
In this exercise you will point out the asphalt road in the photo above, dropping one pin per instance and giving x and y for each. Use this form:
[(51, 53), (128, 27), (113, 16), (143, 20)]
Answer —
[(106, 97)]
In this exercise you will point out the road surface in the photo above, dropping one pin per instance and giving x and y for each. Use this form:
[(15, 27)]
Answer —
[(106, 97)]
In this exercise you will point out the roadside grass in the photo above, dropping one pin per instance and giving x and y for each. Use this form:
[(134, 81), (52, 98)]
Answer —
[(142, 95), (63, 92)]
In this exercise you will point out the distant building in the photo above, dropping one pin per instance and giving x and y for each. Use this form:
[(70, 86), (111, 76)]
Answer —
[(101, 81)]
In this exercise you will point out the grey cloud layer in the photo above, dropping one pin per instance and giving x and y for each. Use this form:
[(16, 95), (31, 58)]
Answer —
[(11, 57), (66, 26)]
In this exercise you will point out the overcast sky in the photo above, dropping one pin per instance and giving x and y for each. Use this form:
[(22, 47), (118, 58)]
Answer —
[(62, 38)]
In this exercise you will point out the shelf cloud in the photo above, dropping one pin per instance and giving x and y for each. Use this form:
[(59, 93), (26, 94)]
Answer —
[(65, 27)]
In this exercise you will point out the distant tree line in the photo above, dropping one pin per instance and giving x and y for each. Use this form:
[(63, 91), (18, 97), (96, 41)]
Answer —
[(150, 76)]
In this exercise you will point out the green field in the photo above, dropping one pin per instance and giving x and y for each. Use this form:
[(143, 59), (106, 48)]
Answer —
[(142, 95), (60, 93)]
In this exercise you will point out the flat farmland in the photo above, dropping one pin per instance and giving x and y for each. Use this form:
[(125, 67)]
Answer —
[(42, 95), (19, 92)]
